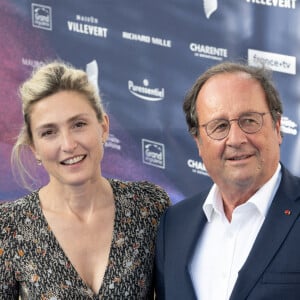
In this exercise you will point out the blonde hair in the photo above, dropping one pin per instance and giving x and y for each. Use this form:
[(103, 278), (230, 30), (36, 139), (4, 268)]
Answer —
[(46, 80)]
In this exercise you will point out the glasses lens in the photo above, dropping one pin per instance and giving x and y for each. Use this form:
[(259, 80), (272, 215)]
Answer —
[(217, 129), (250, 122)]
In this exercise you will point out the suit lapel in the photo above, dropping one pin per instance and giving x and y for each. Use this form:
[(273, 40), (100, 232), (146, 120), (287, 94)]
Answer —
[(194, 236), (189, 238), (281, 217)]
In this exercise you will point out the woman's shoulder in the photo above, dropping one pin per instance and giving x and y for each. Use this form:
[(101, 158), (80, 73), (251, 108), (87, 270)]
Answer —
[(145, 191), (13, 211)]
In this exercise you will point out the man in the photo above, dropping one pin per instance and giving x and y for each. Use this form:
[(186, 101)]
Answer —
[(241, 239)]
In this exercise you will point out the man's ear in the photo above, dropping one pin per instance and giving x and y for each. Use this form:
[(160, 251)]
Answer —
[(277, 128), (198, 141)]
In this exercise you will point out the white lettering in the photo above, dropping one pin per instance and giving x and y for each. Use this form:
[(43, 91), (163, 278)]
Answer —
[(276, 3), (208, 50), (41, 18), (161, 42), (136, 37), (196, 164), (146, 39), (151, 94), (154, 155), (87, 29)]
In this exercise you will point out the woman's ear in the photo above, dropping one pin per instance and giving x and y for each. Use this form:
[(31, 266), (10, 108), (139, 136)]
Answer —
[(105, 128), (36, 155)]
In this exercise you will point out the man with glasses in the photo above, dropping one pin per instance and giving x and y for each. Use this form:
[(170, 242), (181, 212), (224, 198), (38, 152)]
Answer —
[(241, 238)]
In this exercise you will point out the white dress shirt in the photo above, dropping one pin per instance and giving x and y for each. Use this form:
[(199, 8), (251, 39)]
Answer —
[(224, 246)]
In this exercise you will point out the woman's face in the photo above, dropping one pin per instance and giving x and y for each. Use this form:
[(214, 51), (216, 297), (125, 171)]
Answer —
[(68, 138)]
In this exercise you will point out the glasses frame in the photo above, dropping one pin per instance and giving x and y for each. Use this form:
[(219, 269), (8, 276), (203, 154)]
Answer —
[(262, 114)]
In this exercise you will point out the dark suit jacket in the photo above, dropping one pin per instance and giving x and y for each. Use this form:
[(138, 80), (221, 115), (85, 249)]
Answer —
[(272, 269)]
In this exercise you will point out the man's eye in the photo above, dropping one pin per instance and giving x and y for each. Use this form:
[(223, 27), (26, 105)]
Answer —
[(221, 126), (249, 121)]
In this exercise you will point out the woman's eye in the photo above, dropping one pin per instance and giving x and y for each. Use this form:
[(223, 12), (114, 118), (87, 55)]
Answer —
[(80, 124), (47, 133)]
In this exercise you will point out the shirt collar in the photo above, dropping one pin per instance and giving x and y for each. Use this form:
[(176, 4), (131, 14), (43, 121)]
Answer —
[(262, 199)]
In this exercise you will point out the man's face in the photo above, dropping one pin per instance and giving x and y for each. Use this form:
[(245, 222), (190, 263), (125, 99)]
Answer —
[(240, 160)]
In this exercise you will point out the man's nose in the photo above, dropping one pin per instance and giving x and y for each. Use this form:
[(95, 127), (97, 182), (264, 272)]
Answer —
[(236, 135)]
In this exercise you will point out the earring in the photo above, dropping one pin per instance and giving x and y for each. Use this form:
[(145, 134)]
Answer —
[(39, 162)]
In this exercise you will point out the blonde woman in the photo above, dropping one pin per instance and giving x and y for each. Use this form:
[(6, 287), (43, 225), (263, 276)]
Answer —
[(80, 236)]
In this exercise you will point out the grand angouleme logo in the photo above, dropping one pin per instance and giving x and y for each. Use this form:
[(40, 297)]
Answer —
[(153, 153), (41, 16), (146, 92)]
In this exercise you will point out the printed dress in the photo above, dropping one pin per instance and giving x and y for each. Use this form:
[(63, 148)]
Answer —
[(33, 265)]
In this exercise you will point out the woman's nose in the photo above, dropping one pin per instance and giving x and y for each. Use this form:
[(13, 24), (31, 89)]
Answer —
[(68, 143)]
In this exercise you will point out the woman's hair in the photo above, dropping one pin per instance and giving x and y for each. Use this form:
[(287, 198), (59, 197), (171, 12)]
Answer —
[(262, 75), (46, 80)]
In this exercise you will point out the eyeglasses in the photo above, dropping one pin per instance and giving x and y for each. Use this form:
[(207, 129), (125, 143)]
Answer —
[(250, 122)]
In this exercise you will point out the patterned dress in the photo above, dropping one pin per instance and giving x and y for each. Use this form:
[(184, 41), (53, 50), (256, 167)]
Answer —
[(34, 266)]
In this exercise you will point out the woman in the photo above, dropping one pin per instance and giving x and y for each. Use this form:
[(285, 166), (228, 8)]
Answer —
[(80, 236)]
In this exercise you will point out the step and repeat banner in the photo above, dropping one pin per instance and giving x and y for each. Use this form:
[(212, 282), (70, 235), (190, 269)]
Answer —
[(143, 56)]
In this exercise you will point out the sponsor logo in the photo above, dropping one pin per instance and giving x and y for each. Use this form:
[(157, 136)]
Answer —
[(276, 3), (210, 6), (207, 51), (142, 38), (197, 167), (92, 73), (274, 61), (87, 19), (87, 25), (153, 153), (31, 62), (288, 126), (113, 142), (145, 92), (41, 16)]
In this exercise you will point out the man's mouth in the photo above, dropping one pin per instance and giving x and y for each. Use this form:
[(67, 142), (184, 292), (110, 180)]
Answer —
[(73, 160), (239, 157)]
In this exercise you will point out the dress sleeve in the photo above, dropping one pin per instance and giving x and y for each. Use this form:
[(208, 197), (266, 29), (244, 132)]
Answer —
[(9, 287), (161, 197)]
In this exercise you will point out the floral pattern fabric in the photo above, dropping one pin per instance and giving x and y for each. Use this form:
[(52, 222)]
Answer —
[(34, 266)]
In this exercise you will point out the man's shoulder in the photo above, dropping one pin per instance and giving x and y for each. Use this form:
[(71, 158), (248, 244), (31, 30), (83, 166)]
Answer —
[(181, 219), (289, 181), (189, 205)]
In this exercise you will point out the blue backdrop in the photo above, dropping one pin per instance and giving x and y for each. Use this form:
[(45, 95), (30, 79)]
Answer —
[(144, 55)]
